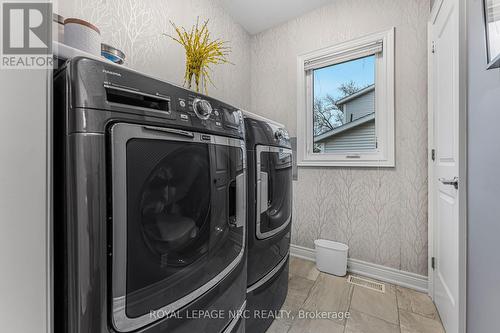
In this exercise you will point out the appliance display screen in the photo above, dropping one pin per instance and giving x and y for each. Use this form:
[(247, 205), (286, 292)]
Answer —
[(232, 118)]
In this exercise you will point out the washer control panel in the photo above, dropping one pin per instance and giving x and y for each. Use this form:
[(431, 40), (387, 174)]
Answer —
[(126, 91), (281, 134), (212, 114)]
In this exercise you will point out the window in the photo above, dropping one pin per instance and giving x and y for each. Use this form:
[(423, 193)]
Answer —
[(346, 104)]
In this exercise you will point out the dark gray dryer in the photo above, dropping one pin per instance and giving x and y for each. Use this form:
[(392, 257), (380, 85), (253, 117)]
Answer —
[(150, 196), (269, 218)]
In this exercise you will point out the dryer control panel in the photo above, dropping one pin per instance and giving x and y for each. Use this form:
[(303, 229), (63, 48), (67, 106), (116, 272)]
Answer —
[(260, 132)]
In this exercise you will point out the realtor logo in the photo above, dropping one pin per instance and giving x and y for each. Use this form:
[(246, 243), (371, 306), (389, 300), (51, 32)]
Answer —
[(26, 35)]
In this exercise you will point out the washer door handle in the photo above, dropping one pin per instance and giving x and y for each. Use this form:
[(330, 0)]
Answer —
[(262, 192), (241, 199), (169, 131)]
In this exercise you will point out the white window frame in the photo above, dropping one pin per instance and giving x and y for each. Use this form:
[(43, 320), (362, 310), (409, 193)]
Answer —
[(384, 154)]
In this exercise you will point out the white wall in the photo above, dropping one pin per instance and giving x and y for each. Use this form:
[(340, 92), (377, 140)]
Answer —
[(380, 213), (483, 293), (24, 234), (136, 27)]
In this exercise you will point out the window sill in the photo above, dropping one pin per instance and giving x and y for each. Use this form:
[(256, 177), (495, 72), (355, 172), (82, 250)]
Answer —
[(360, 164)]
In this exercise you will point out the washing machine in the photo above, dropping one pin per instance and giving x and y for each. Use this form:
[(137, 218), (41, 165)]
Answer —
[(269, 157), (150, 205)]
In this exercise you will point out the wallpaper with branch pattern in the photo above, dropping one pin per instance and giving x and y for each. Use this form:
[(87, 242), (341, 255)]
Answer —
[(136, 27), (380, 213)]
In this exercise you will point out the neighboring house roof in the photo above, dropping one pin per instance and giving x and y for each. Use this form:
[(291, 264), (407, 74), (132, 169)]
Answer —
[(355, 95), (345, 127)]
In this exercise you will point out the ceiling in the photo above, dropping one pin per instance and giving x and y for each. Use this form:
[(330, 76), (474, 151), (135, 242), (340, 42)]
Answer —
[(259, 15)]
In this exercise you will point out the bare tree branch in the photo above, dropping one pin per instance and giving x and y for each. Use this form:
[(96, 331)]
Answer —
[(327, 115)]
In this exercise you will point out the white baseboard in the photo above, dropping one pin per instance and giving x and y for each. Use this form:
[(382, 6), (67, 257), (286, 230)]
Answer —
[(302, 252), (374, 271)]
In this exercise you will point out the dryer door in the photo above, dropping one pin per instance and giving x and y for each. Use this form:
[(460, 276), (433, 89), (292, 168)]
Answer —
[(274, 190), (178, 218)]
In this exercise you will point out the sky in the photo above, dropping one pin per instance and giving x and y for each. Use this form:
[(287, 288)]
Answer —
[(327, 80)]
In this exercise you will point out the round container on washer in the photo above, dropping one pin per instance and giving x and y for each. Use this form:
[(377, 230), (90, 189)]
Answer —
[(331, 257), (82, 35), (113, 54)]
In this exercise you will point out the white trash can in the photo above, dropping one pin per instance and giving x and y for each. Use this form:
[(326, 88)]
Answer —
[(331, 257)]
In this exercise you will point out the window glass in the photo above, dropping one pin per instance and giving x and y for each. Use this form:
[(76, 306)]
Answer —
[(493, 27), (344, 107)]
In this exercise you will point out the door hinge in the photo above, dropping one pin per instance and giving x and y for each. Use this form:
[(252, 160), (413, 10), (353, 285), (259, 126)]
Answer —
[(433, 47), (433, 154), (433, 263)]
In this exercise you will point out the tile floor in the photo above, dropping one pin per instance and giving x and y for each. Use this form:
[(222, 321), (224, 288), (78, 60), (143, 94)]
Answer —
[(398, 310)]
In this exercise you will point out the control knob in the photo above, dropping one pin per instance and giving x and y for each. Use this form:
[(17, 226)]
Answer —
[(281, 134), (202, 108)]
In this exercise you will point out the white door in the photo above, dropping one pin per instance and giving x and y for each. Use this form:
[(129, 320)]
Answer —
[(445, 187)]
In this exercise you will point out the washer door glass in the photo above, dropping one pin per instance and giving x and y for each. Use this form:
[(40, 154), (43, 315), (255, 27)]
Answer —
[(181, 230), (275, 190)]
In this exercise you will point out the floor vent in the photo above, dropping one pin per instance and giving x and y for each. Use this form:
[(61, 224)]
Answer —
[(365, 283)]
